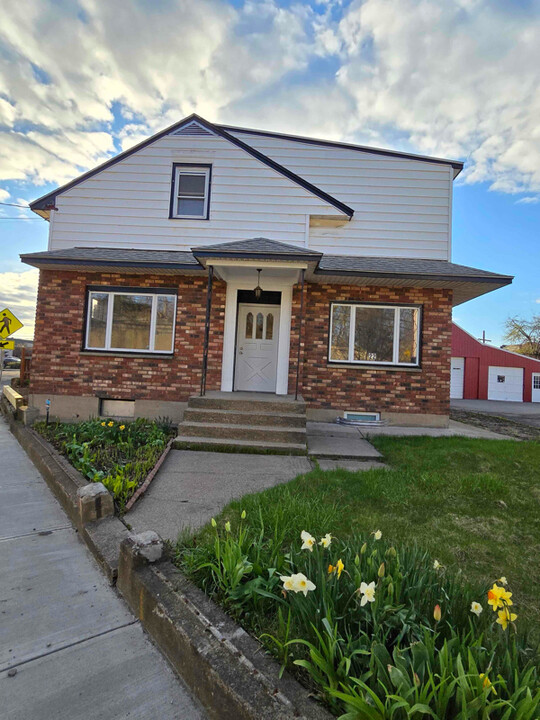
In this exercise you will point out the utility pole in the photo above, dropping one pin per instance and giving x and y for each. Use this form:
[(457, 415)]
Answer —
[(483, 339)]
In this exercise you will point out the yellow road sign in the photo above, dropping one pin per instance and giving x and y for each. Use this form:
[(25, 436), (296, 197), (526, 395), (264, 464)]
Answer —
[(8, 323), (7, 344)]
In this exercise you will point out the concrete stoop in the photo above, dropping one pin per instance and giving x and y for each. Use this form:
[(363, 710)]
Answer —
[(244, 422)]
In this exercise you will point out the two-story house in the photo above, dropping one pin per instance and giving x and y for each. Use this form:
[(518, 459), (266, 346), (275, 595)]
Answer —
[(214, 258)]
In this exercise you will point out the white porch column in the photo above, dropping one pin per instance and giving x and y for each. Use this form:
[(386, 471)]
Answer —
[(282, 372), (229, 340)]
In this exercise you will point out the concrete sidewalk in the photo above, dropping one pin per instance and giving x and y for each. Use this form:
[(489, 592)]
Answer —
[(70, 647)]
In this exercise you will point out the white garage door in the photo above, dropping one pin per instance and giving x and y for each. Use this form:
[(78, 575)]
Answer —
[(535, 387), (457, 372), (505, 383)]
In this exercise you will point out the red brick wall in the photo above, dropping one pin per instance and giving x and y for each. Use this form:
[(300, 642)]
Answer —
[(352, 387), (59, 366)]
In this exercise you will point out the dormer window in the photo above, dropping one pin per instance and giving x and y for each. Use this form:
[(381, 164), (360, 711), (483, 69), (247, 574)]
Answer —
[(190, 192)]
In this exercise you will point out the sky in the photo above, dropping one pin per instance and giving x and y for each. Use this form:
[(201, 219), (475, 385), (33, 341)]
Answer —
[(81, 80)]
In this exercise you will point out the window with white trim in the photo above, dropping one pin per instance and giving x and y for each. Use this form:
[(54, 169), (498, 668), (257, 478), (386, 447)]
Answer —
[(191, 191), (130, 321), (374, 334)]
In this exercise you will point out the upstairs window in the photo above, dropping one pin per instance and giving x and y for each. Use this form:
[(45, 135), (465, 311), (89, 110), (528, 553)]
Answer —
[(374, 334), (190, 196)]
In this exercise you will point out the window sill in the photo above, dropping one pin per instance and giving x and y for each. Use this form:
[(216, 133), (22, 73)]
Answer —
[(370, 366), (119, 353), (188, 217)]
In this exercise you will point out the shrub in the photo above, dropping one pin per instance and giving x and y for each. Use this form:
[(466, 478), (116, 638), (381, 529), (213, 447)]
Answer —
[(378, 631)]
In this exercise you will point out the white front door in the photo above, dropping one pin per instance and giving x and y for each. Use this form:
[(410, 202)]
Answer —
[(505, 383), (257, 347), (457, 373), (535, 395)]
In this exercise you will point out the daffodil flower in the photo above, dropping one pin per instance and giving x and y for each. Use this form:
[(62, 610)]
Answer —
[(297, 583), (227, 526), (503, 580), (110, 424), (103, 424), (367, 592), (377, 534), (476, 608), (498, 597), (122, 427), (505, 616), (486, 683), (436, 565), (308, 541), (326, 541), (339, 567)]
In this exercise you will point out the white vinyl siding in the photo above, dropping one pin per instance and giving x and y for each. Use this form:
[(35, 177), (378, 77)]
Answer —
[(402, 207), (128, 204)]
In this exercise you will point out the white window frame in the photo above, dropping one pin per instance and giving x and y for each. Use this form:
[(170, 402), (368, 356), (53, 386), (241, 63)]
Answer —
[(191, 170), (108, 326), (395, 349)]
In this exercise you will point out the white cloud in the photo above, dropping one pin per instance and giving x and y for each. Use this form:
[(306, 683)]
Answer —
[(529, 200), (458, 78), (4, 195), (18, 292)]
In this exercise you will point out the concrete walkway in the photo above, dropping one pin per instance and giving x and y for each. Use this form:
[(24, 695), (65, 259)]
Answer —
[(70, 648), (191, 487)]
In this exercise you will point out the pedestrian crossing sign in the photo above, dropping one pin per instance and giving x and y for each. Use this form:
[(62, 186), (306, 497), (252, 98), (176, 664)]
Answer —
[(8, 323), (7, 344)]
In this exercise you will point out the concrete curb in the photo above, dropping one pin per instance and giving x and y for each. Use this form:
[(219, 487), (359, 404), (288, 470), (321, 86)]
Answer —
[(226, 668)]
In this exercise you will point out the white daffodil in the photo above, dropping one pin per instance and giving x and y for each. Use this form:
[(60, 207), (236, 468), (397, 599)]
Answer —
[(476, 608), (308, 541), (367, 592), (302, 584), (288, 582), (503, 580), (436, 565), (326, 541), (377, 534)]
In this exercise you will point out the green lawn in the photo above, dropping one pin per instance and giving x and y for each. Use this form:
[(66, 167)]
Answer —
[(473, 504)]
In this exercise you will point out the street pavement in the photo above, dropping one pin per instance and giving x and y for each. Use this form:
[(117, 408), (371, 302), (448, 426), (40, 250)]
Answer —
[(7, 376), (69, 647)]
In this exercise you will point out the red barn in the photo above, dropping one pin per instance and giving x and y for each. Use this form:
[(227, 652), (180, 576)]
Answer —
[(481, 372)]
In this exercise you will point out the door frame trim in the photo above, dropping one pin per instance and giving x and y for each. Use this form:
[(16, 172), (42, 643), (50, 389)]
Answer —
[(229, 334)]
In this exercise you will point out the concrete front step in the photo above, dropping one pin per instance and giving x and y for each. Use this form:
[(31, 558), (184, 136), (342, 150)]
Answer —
[(239, 417), (242, 403), (228, 431), (184, 442)]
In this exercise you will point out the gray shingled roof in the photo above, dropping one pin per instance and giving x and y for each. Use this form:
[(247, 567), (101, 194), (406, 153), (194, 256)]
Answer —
[(258, 245), (381, 266), (148, 258)]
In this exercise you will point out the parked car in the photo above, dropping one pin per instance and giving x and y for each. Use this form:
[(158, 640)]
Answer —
[(12, 362)]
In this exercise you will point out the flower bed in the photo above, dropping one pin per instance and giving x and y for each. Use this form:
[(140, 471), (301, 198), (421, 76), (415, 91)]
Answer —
[(379, 632), (119, 455)]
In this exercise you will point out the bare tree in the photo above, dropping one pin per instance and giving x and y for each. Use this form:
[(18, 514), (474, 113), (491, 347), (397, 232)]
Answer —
[(524, 335)]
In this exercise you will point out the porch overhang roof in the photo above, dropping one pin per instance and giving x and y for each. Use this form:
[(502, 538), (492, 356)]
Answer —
[(465, 282)]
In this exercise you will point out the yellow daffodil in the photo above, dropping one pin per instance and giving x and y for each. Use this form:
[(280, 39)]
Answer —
[(297, 583), (110, 424), (103, 424), (377, 534), (337, 568), (436, 565), (498, 597), (326, 541), (227, 526), (308, 541), (122, 427), (437, 613), (476, 608), (486, 683), (367, 592), (505, 616)]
